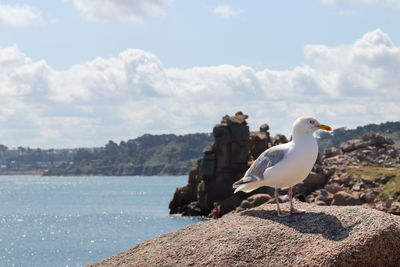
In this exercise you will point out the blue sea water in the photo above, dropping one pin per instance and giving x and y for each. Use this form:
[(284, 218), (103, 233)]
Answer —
[(74, 221)]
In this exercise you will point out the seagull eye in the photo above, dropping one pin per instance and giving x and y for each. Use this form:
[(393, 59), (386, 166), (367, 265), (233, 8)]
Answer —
[(312, 121)]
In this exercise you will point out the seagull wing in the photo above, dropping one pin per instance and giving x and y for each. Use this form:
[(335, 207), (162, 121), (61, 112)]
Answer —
[(267, 159)]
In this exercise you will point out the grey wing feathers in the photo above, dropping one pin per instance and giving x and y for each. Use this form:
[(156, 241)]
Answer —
[(267, 159)]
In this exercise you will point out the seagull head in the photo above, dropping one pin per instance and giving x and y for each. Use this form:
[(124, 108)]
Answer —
[(308, 125)]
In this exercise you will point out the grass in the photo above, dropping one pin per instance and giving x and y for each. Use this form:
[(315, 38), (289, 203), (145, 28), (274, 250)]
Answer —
[(390, 190), (396, 138)]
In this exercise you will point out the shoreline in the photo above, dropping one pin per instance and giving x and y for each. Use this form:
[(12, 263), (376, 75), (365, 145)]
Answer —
[(12, 173), (41, 173)]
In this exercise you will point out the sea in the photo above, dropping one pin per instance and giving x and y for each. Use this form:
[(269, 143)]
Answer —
[(74, 221)]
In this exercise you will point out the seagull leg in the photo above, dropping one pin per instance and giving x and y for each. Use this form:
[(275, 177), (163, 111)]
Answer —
[(292, 209), (278, 209)]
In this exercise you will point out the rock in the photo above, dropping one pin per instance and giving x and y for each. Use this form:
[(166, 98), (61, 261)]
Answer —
[(207, 165), (342, 179), (349, 145), (377, 139), (254, 201), (320, 203), (258, 143), (324, 196), (192, 209), (273, 200), (357, 186), (395, 208), (279, 139), (245, 204), (310, 198), (184, 195), (229, 204), (264, 128), (223, 163), (331, 152), (369, 196), (343, 198), (314, 181), (323, 236), (333, 188), (374, 148)]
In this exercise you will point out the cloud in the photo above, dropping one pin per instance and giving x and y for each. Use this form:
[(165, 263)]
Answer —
[(19, 16), (133, 93), (121, 10), (226, 11)]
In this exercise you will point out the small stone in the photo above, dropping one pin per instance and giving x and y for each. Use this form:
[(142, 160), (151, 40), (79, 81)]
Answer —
[(333, 188)]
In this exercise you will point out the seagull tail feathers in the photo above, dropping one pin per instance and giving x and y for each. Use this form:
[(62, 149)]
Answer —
[(246, 184)]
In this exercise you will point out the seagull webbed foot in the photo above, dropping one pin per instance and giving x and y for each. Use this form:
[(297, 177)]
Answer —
[(283, 213), (296, 211)]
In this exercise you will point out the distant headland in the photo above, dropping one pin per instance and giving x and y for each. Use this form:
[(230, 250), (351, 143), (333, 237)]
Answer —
[(166, 154)]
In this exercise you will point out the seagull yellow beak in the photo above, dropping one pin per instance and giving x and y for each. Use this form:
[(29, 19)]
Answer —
[(324, 127)]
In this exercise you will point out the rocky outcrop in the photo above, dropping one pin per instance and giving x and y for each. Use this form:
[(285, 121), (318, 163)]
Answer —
[(223, 163), (341, 188), (323, 236), (374, 148), (234, 149), (259, 141)]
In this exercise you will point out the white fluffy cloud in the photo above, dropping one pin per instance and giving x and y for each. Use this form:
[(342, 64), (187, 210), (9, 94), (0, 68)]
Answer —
[(18, 15), (121, 10), (226, 11), (133, 93)]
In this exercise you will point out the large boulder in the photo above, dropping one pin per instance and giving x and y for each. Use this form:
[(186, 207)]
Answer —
[(323, 236), (377, 139), (313, 181), (331, 152)]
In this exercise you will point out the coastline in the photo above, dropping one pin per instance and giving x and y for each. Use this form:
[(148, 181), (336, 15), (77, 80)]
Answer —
[(15, 173)]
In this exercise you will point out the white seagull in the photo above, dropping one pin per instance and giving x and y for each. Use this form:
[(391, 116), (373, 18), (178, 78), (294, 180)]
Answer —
[(285, 164)]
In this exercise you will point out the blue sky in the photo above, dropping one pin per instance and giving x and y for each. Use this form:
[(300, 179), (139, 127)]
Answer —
[(78, 73)]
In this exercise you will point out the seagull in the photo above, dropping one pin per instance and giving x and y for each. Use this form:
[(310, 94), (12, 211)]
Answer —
[(285, 164)]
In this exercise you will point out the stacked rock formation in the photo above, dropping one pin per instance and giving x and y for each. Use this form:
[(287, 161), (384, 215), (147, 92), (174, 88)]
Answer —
[(223, 163)]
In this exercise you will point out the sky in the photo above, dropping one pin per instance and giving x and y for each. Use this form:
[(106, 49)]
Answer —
[(77, 73)]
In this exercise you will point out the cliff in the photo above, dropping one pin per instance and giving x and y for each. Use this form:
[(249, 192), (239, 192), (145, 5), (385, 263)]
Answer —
[(323, 236)]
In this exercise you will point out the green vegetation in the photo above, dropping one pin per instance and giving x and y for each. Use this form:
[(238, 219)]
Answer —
[(147, 155), (391, 190), (340, 135)]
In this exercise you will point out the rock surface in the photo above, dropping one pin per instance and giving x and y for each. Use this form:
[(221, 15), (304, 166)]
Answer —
[(323, 236)]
